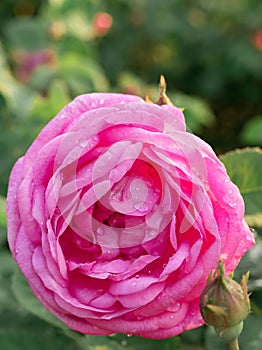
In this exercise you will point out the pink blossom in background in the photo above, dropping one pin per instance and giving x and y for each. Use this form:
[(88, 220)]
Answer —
[(28, 62), (117, 215), (102, 23), (257, 39)]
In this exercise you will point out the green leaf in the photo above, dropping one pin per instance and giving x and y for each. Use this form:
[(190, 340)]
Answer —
[(193, 337), (82, 74), (137, 343), (44, 109), (20, 331), (89, 342), (25, 297), (2, 212), (196, 111), (28, 33), (252, 132), (245, 168), (7, 266), (251, 261), (251, 336), (213, 341)]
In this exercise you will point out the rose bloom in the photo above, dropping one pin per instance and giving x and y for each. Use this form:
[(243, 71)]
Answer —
[(117, 215)]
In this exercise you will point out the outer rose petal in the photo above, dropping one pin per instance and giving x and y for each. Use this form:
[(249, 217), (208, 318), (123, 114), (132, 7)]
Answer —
[(12, 212), (228, 210), (116, 215), (71, 113)]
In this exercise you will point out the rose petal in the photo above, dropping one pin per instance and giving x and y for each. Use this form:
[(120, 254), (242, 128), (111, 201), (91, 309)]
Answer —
[(12, 212)]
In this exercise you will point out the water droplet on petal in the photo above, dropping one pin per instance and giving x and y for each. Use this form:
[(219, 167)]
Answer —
[(174, 308), (129, 335), (83, 143), (144, 207), (99, 231)]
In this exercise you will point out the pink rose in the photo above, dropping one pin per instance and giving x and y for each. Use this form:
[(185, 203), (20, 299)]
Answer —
[(117, 215)]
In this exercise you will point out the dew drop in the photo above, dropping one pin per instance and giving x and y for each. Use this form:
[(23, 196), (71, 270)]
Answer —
[(134, 284), (153, 233), (83, 143), (129, 335), (137, 206), (144, 207), (174, 308), (99, 231), (172, 316), (156, 253)]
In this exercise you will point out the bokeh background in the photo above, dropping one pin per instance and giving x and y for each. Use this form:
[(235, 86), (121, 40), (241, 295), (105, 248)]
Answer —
[(53, 50)]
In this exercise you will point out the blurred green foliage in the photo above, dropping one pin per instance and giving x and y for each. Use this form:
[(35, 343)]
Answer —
[(211, 55)]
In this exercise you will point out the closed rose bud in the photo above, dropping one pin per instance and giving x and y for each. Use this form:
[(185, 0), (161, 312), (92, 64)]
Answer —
[(225, 304)]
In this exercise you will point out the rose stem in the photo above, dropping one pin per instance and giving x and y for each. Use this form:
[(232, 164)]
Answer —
[(233, 345)]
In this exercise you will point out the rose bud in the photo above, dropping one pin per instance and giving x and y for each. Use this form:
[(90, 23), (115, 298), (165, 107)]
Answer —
[(117, 214), (225, 304)]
